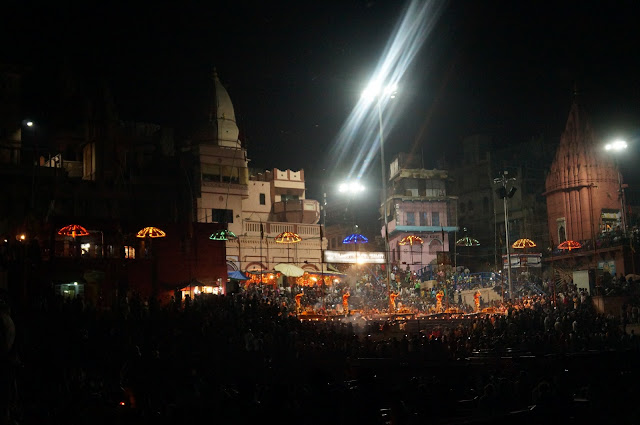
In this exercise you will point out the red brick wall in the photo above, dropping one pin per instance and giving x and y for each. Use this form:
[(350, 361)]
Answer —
[(177, 258)]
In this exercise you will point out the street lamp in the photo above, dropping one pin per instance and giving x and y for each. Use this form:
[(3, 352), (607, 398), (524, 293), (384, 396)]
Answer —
[(377, 91), (502, 193), (351, 186), (618, 146)]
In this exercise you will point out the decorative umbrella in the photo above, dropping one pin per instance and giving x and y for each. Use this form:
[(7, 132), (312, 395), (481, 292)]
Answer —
[(288, 237), (467, 241), (73, 230), (523, 244), (570, 245), (411, 240), (151, 232), (223, 235), (289, 270), (355, 238)]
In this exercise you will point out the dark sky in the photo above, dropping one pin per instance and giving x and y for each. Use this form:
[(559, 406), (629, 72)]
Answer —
[(295, 70)]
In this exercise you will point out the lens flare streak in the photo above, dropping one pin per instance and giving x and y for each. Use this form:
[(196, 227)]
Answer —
[(360, 132)]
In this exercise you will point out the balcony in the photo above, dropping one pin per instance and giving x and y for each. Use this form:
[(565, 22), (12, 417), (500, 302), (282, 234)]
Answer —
[(272, 229), (230, 188), (305, 211)]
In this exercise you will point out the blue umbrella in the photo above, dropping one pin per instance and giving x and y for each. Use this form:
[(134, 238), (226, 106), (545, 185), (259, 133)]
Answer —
[(355, 238)]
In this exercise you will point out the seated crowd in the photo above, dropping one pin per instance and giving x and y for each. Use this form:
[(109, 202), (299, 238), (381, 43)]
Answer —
[(243, 357)]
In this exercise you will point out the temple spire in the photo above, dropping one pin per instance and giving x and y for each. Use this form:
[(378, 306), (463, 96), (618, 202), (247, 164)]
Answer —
[(214, 78), (576, 93)]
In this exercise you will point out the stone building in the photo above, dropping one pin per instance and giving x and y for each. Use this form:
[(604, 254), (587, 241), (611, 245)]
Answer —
[(584, 201), (418, 205), (256, 206)]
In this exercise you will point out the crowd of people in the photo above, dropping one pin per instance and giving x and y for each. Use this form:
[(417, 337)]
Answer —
[(246, 357)]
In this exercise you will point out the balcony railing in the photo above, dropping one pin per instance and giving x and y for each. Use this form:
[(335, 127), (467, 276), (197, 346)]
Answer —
[(273, 229)]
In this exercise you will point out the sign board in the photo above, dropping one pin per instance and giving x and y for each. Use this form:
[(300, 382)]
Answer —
[(581, 280), (523, 260), (354, 257), (607, 266)]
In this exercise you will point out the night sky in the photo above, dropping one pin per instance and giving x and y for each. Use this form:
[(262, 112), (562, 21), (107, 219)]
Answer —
[(295, 70)]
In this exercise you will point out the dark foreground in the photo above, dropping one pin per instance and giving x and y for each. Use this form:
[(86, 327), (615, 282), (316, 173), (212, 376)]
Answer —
[(238, 360)]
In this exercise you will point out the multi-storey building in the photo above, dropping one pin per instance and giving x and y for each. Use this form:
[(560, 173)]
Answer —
[(85, 166), (255, 206), (10, 119), (418, 205), (481, 211)]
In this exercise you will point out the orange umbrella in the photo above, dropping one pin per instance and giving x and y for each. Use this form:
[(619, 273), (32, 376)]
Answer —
[(523, 244), (288, 237), (151, 232), (411, 240), (73, 230), (570, 245)]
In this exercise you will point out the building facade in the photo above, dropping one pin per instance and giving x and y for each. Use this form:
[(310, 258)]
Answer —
[(255, 206), (585, 201), (85, 166), (418, 205), (481, 210)]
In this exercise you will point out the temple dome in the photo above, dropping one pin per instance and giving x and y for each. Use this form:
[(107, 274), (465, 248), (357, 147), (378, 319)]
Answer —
[(221, 128)]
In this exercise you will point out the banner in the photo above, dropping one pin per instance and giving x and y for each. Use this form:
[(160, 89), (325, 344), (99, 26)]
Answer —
[(354, 257), (523, 260)]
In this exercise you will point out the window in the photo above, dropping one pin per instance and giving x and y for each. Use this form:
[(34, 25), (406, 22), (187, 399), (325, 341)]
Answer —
[(286, 198), (129, 252), (221, 216), (610, 219), (263, 199), (210, 173), (89, 162), (435, 246), (561, 226), (230, 174), (435, 218), (411, 219), (423, 219)]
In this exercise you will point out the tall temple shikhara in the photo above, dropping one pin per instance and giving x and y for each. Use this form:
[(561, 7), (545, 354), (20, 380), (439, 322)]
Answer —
[(583, 187)]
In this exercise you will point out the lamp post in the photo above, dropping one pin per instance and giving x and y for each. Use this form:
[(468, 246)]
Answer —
[(36, 161), (375, 90), (502, 193), (323, 230), (615, 147)]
